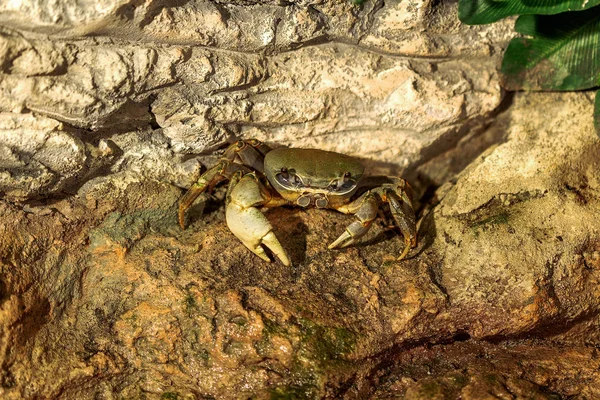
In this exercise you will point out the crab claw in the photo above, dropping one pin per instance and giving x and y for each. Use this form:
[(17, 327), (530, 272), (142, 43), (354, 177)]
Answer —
[(239, 156), (365, 211), (365, 214), (248, 223)]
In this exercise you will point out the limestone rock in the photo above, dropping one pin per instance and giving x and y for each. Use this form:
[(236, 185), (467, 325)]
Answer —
[(519, 229), (86, 86), (38, 156), (322, 74)]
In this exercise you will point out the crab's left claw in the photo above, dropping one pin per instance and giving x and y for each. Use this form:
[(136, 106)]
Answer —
[(237, 157), (247, 222), (365, 211)]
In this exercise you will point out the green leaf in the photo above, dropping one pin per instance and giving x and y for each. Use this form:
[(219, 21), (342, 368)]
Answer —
[(597, 113), (475, 12), (562, 54)]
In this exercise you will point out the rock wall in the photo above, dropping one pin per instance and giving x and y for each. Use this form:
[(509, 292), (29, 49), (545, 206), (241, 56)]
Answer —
[(109, 109), (373, 81)]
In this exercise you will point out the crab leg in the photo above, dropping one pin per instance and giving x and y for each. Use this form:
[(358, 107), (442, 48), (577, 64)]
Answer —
[(402, 211), (197, 189), (236, 157), (247, 222), (248, 152), (404, 215), (208, 180), (365, 211)]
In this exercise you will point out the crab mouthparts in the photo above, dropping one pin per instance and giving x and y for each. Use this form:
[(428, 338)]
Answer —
[(319, 200)]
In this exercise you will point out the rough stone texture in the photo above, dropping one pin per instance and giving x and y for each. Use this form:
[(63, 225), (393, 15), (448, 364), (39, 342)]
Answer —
[(104, 108), (532, 197), (37, 155), (155, 311), (324, 74), (474, 371)]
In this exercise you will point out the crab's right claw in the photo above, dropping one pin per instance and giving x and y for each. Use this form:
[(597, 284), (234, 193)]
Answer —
[(248, 223), (254, 230)]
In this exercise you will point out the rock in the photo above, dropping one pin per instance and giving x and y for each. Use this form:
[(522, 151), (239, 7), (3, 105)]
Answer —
[(411, 104), (89, 86), (203, 310), (104, 111), (470, 370), (415, 28), (197, 307), (48, 16), (111, 69), (518, 229), (38, 156)]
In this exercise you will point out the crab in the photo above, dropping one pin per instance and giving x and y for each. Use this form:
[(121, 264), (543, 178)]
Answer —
[(264, 178)]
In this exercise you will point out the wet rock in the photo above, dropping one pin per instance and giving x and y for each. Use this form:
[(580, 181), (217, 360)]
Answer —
[(203, 311)]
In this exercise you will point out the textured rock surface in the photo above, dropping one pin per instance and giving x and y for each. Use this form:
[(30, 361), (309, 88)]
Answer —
[(37, 156), (483, 371), (105, 105), (371, 80), (532, 197), (155, 311)]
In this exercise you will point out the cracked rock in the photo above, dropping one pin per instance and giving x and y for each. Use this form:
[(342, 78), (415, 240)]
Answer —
[(38, 156)]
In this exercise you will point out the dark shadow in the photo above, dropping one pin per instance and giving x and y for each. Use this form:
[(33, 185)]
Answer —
[(32, 320), (291, 231), (131, 116), (426, 234), (4, 293), (461, 336), (387, 233)]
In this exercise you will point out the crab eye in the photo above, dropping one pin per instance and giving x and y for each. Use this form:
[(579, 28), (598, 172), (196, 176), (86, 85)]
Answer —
[(346, 183), (284, 173)]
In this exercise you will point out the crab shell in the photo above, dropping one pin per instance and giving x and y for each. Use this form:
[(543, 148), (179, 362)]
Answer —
[(319, 177)]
